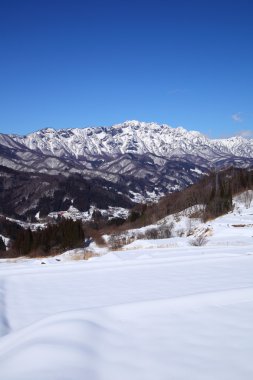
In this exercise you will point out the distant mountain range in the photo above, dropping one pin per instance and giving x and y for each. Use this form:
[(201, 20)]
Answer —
[(137, 161)]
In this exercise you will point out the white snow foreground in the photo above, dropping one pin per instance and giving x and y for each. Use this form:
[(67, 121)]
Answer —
[(173, 313)]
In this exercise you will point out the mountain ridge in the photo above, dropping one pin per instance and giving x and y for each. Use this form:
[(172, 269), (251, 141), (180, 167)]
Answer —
[(144, 160), (129, 136)]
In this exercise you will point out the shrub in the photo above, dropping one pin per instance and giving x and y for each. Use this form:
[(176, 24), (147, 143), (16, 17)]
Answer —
[(117, 241), (163, 231), (152, 233), (199, 240), (134, 215)]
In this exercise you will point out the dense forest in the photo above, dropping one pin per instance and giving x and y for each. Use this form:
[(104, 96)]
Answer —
[(55, 238)]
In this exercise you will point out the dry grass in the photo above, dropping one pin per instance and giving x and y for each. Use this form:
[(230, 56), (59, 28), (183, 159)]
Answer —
[(83, 255), (89, 254)]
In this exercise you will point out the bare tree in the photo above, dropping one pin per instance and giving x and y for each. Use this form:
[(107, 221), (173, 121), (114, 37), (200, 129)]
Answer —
[(151, 234)]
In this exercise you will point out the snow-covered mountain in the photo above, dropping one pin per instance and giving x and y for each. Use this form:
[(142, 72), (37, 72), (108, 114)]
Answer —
[(131, 137), (143, 160)]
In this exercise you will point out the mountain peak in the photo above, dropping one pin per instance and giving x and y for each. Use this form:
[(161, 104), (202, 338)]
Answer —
[(136, 124), (47, 130)]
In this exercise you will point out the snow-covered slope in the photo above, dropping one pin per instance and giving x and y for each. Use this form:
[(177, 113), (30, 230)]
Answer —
[(133, 137), (177, 312)]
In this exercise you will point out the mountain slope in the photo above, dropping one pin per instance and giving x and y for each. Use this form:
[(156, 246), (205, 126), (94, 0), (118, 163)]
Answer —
[(24, 194), (144, 160)]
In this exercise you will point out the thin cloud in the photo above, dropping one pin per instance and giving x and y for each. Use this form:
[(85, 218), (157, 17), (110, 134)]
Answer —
[(247, 134), (237, 117)]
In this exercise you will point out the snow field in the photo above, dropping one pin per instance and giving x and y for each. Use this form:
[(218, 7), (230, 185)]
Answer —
[(158, 312)]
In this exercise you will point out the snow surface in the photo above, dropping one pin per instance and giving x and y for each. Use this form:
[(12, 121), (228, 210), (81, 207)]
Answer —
[(177, 312)]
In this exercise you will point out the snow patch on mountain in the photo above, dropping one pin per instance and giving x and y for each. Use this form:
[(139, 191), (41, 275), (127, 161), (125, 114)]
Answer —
[(74, 214)]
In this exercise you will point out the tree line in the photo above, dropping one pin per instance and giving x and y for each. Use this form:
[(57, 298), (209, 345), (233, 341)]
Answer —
[(55, 238)]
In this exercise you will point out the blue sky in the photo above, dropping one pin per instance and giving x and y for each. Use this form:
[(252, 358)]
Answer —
[(71, 63)]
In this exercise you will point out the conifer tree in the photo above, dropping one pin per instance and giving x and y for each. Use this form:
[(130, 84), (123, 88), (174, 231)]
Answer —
[(2, 245)]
